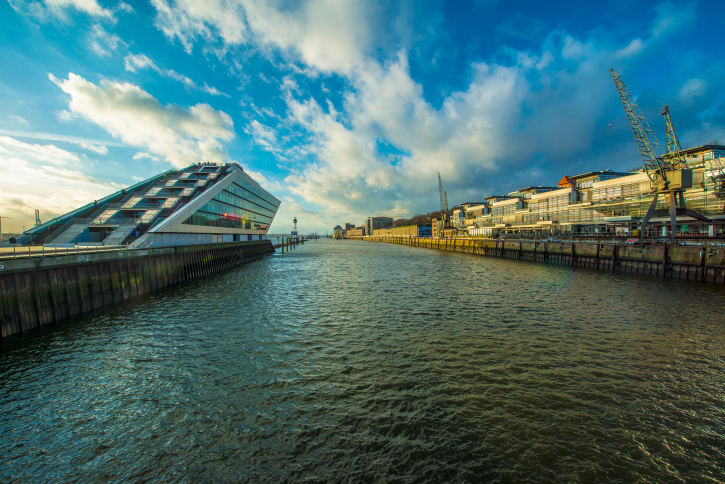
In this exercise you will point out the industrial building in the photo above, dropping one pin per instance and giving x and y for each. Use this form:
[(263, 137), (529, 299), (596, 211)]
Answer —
[(201, 204), (606, 202)]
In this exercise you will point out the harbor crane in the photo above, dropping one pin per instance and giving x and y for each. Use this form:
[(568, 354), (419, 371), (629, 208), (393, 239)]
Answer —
[(445, 213), (445, 216), (668, 173)]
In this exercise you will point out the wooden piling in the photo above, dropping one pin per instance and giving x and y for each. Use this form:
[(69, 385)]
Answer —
[(35, 294)]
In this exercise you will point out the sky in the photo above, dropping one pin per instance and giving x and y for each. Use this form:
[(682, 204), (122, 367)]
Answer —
[(342, 109)]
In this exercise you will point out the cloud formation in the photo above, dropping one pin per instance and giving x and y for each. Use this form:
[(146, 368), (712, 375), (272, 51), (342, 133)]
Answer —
[(44, 177), (103, 43), (59, 9), (179, 135), (328, 35), (533, 113), (134, 62)]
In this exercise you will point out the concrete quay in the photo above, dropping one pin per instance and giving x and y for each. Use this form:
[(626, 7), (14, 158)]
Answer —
[(37, 291), (705, 264)]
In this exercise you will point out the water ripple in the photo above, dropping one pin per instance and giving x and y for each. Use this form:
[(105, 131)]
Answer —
[(359, 362)]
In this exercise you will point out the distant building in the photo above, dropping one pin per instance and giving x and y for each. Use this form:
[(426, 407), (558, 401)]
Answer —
[(355, 232), (338, 232), (349, 226), (375, 223)]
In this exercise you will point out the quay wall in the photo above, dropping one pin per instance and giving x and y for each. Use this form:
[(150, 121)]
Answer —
[(37, 291), (706, 264)]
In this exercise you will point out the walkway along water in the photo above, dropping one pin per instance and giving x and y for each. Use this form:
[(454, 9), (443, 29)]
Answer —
[(37, 291), (693, 263)]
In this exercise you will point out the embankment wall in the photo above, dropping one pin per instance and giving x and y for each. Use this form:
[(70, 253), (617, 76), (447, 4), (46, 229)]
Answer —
[(693, 263), (37, 291)]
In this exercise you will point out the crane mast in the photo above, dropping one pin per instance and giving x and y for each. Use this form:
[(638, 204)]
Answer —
[(444, 198), (672, 145)]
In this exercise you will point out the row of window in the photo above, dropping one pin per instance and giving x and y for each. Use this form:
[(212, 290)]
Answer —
[(246, 190), (505, 209), (706, 204), (219, 208), (612, 193), (553, 203), (213, 220), (237, 202)]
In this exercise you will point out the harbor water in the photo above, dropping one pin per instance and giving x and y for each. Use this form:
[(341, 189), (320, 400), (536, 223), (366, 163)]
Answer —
[(350, 361)]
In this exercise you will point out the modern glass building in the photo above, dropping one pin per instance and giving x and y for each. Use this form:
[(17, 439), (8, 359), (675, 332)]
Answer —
[(607, 203), (201, 204)]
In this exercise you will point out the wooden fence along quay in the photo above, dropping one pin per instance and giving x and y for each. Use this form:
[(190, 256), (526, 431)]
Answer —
[(706, 264), (36, 291)]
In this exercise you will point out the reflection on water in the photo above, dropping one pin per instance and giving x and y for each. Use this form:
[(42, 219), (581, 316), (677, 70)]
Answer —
[(361, 362)]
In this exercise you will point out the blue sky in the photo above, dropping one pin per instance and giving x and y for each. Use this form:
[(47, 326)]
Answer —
[(342, 109)]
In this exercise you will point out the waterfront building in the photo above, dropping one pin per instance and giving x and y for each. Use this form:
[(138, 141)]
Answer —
[(355, 232), (375, 223), (606, 202), (458, 218), (204, 203), (338, 232), (407, 231)]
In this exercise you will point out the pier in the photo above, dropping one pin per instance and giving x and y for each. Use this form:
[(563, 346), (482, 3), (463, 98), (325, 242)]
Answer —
[(695, 263), (37, 290)]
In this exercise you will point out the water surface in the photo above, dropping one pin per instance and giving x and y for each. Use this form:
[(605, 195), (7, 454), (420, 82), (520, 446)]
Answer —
[(348, 361)]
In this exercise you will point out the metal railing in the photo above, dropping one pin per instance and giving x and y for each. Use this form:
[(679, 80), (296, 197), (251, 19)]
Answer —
[(65, 249)]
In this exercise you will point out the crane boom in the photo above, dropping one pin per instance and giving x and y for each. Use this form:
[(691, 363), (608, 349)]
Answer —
[(668, 173), (673, 149), (644, 136)]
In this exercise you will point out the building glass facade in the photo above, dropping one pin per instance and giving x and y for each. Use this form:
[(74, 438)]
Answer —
[(603, 202), (240, 205)]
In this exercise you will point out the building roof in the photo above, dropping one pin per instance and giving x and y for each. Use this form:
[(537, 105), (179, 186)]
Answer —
[(594, 173), (566, 181), (702, 149)]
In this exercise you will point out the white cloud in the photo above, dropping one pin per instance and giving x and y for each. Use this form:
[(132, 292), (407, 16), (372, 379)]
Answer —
[(381, 152), (266, 183), (58, 137), (141, 61), (37, 153), (692, 89), (59, 8), (329, 35), (145, 156), (179, 135), (91, 7), (670, 17), (100, 149), (15, 120), (263, 136), (102, 42), (43, 177)]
